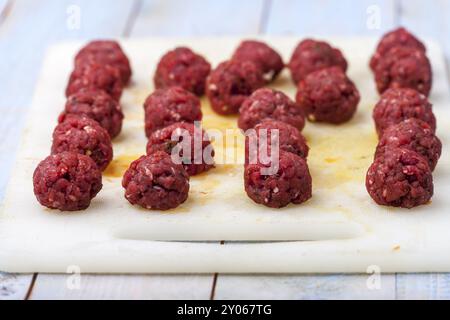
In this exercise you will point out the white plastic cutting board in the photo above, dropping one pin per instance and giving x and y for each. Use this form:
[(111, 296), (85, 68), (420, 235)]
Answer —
[(343, 230)]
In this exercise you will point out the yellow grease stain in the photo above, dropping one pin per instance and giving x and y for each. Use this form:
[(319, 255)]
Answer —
[(119, 165), (339, 154)]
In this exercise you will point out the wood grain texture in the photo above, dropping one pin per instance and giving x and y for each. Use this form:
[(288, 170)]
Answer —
[(330, 17), (303, 287), (430, 19), (198, 17), (423, 286), (14, 287), (123, 287)]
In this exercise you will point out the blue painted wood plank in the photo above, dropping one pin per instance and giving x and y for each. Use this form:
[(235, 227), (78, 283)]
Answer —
[(301, 287), (122, 287), (431, 286), (429, 19), (14, 287), (331, 17), (198, 17)]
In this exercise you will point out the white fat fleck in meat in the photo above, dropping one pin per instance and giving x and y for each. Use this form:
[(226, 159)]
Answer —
[(148, 173), (276, 190), (175, 115), (171, 76), (254, 104), (269, 75), (89, 129), (212, 87)]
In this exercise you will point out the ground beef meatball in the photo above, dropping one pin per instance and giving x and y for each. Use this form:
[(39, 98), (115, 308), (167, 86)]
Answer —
[(95, 76), (328, 95), (106, 52), (168, 106), (267, 59), (397, 38), (175, 135), (183, 68), (154, 182), (270, 104), (67, 181), (400, 178), (98, 105), (403, 67), (231, 83), (84, 136), (291, 184), (397, 105), (289, 139), (311, 55), (415, 135)]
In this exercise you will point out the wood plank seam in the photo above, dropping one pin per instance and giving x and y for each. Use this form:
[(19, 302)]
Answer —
[(398, 12), (265, 16), (134, 13), (31, 287)]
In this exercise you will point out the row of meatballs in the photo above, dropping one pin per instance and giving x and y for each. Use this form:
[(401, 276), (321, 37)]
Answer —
[(325, 94), (71, 176), (408, 149), (93, 116)]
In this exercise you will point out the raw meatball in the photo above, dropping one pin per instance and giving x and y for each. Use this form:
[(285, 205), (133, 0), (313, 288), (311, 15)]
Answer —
[(183, 68), (231, 83), (289, 139), (403, 67), (270, 104), (67, 181), (97, 105), (328, 95), (400, 178), (106, 52), (397, 105), (291, 184), (168, 106), (266, 58), (415, 135), (84, 136), (155, 182), (168, 138), (311, 55), (397, 38), (95, 76)]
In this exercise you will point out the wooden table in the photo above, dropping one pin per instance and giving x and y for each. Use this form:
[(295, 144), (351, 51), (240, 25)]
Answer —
[(28, 27)]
